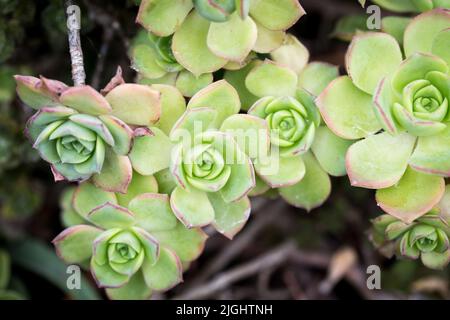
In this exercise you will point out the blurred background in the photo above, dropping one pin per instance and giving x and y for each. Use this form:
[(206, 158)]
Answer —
[(282, 253)]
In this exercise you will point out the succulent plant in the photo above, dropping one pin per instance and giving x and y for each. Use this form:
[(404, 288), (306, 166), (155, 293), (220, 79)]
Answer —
[(412, 5), (209, 34), (153, 59), (426, 237), (84, 134), (204, 169), (302, 151), (400, 107), (132, 243)]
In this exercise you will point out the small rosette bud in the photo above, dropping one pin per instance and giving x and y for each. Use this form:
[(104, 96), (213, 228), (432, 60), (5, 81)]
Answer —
[(427, 237)]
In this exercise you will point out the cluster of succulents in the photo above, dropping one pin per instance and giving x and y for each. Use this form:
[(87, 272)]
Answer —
[(132, 242), (184, 42), (398, 108), (394, 105), (153, 168)]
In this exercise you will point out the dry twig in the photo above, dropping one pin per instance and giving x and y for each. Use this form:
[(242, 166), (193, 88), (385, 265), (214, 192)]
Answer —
[(76, 53), (273, 258)]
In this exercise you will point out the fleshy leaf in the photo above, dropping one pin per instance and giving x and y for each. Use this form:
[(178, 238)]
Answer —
[(330, 151), (135, 104), (150, 245), (163, 17), (166, 181), (138, 185), (312, 190), (230, 218), (74, 245), (85, 99), (186, 243), (382, 102), (440, 45), (269, 79), (108, 216), (397, 6), (169, 79), (87, 197), (46, 116), (151, 151), (250, 133), (260, 187), (432, 154), (190, 49), (406, 250), (135, 289), (32, 94), (237, 79), (122, 134), (395, 26), (242, 176), (279, 15), (435, 260), (116, 173), (192, 207), (189, 85), (220, 96), (291, 54), (106, 277), (316, 76), (144, 59), (279, 171), (173, 106), (233, 39), (379, 161), (423, 29), (193, 121), (346, 110), (370, 57), (165, 273), (349, 25), (268, 40), (414, 195), (69, 217), (153, 212)]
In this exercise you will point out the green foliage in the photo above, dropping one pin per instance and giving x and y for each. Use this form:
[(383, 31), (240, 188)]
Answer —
[(425, 238), (405, 98), (132, 243)]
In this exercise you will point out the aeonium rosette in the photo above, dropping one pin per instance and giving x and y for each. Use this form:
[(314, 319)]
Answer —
[(155, 63), (204, 168), (426, 237), (85, 134), (401, 109), (132, 243), (211, 34), (302, 151)]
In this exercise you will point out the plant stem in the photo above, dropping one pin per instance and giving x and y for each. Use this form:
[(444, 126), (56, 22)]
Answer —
[(76, 53)]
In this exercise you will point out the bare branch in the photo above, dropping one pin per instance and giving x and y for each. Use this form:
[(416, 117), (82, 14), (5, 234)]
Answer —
[(273, 258), (262, 220), (76, 53)]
